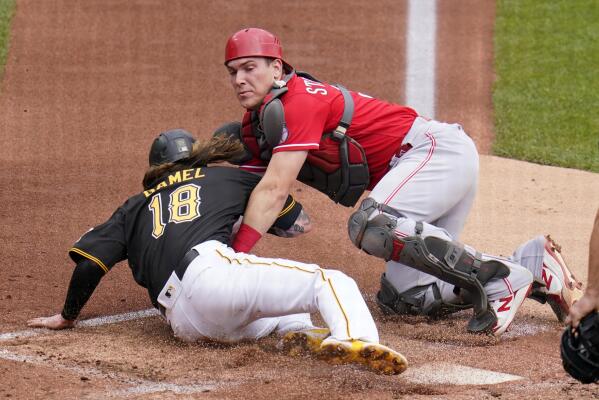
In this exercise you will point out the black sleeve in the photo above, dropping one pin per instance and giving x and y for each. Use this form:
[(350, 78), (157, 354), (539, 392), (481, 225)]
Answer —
[(95, 253), (105, 244), (85, 279), (288, 214)]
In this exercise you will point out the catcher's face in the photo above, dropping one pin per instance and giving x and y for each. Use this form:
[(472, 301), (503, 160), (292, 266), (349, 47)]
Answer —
[(252, 79)]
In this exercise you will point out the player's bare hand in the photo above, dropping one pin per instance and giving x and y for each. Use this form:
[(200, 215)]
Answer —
[(53, 322), (587, 303)]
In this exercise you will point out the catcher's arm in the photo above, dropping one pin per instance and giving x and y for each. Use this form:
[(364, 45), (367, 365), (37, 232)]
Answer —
[(86, 277), (301, 225), (293, 220), (590, 300)]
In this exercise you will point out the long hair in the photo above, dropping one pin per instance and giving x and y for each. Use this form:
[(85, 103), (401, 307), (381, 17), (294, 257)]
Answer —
[(215, 150)]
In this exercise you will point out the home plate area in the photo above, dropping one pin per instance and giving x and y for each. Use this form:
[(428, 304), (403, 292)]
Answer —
[(434, 373)]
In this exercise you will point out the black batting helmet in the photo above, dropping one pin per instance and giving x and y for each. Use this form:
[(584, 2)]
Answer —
[(170, 146)]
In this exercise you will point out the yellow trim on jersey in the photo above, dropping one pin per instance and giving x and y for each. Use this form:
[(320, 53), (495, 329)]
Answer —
[(90, 257), (288, 208), (247, 260)]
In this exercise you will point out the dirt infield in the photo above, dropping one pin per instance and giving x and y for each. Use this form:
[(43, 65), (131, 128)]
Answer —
[(87, 86)]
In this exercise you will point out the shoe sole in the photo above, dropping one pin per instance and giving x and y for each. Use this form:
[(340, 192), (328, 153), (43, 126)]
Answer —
[(571, 290), (378, 358), (300, 343)]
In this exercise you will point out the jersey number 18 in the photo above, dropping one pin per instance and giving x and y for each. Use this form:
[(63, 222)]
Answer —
[(183, 206)]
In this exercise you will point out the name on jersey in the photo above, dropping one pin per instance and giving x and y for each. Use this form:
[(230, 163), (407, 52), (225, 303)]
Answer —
[(319, 88), (176, 177), (314, 87)]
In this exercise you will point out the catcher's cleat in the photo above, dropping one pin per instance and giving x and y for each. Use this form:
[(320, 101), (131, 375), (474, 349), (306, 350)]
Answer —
[(377, 357), (558, 285), (506, 309), (303, 342)]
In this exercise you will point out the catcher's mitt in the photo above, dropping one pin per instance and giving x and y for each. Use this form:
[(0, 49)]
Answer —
[(580, 349)]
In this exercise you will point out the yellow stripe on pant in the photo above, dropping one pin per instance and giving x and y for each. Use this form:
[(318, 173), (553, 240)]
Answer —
[(274, 263)]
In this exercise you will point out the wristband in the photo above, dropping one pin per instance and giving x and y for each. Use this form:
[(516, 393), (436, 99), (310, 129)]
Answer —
[(245, 239)]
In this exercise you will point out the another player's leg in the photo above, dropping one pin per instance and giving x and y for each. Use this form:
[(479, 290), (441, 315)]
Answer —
[(506, 295), (429, 250), (554, 283), (435, 181), (438, 299)]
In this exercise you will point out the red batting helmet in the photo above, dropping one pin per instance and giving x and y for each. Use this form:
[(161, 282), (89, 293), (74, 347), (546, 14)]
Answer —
[(254, 42)]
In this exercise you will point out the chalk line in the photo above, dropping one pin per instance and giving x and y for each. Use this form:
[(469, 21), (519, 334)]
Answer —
[(420, 56), (138, 385), (110, 319)]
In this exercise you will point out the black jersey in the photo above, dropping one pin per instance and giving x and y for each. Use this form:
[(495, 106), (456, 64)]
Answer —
[(154, 229)]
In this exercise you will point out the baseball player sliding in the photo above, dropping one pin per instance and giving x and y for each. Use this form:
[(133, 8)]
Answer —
[(422, 175), (175, 235)]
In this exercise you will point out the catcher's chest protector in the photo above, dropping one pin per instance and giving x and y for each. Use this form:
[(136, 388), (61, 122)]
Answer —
[(338, 168)]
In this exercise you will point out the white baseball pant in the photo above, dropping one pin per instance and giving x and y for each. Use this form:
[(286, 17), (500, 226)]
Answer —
[(227, 296)]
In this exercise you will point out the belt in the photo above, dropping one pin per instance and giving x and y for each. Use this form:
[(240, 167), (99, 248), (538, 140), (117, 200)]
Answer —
[(180, 271), (184, 263)]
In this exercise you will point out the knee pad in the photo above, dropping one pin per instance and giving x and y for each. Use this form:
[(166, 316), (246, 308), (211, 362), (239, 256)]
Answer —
[(376, 236)]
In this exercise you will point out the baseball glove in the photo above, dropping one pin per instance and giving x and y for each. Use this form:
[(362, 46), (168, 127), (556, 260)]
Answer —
[(580, 349)]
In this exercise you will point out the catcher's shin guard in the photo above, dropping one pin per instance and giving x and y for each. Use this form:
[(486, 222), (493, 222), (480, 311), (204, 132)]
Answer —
[(414, 301), (449, 262), (443, 259)]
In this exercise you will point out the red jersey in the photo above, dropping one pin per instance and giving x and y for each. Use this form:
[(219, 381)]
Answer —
[(313, 108)]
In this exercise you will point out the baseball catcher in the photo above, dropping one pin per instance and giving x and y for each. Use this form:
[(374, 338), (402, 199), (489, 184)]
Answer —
[(176, 236), (422, 176)]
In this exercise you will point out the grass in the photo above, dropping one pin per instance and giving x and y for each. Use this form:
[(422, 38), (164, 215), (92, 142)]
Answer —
[(7, 8), (546, 94)]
